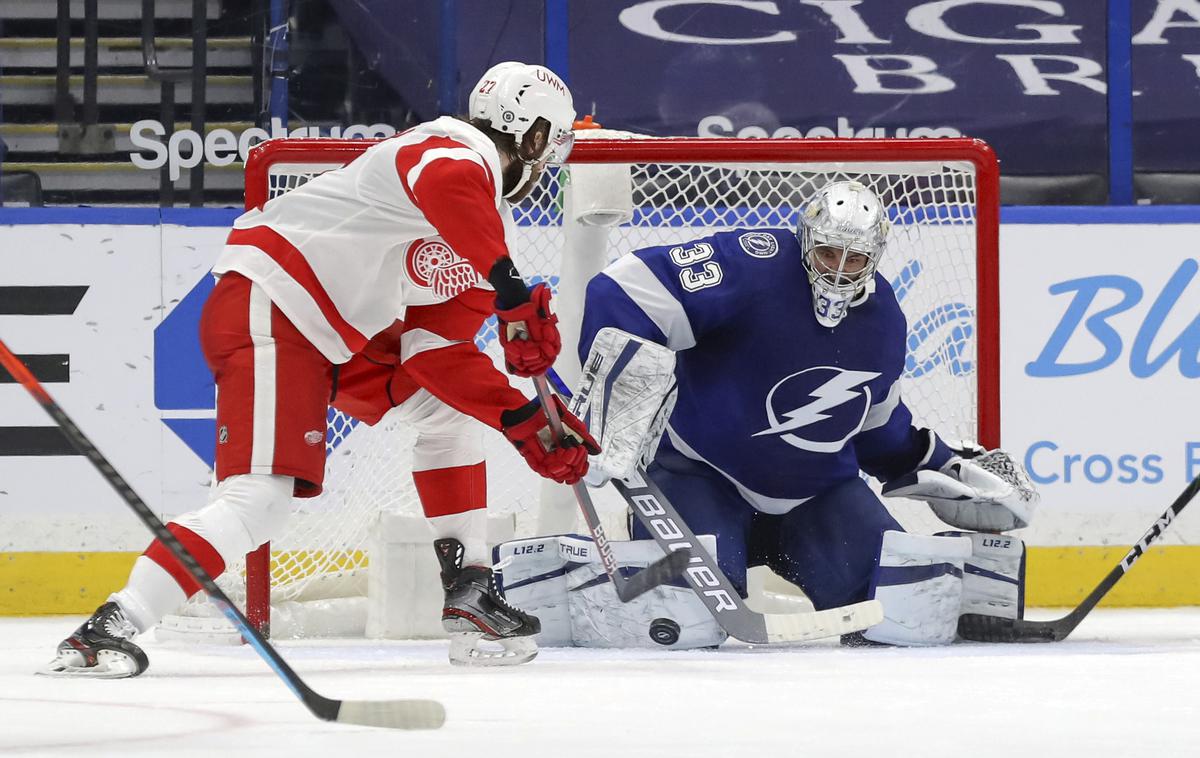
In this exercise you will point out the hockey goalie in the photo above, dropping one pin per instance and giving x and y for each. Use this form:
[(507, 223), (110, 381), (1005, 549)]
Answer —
[(783, 351)]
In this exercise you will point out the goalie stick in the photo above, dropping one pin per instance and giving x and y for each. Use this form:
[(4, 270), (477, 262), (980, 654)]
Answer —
[(661, 571), (994, 629), (395, 714), (710, 584)]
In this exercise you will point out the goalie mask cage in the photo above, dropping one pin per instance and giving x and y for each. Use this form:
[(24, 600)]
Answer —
[(621, 192)]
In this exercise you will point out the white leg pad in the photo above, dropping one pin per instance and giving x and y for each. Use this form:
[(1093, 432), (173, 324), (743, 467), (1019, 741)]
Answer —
[(243, 512), (562, 582), (919, 582), (994, 576)]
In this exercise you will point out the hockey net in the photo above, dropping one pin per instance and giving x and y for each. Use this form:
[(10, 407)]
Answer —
[(941, 260)]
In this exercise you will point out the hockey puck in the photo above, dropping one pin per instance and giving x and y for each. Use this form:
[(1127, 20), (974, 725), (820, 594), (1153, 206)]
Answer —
[(664, 631)]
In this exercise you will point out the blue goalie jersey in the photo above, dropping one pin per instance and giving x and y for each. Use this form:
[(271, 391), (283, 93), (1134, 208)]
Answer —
[(783, 407)]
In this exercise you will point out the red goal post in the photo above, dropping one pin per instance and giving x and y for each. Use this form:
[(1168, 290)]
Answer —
[(671, 174)]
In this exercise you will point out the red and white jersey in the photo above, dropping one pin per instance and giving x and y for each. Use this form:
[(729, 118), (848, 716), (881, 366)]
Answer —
[(344, 255)]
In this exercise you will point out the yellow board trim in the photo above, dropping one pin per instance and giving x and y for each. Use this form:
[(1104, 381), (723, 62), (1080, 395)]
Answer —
[(36, 584), (33, 584), (1063, 576)]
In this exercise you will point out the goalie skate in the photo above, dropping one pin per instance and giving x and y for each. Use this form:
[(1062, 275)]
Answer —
[(101, 648), (475, 612)]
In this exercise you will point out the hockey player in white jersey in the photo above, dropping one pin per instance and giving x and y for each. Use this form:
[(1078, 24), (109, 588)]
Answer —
[(788, 348), (364, 288)]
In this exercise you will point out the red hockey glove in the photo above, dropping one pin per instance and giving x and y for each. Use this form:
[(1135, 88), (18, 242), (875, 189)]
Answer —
[(565, 462), (529, 335)]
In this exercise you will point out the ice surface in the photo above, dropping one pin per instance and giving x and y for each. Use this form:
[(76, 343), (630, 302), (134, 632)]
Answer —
[(1125, 683)]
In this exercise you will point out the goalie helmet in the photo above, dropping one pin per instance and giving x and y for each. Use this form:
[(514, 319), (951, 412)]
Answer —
[(842, 219), (511, 96)]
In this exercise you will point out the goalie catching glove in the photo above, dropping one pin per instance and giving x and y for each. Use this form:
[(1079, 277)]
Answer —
[(979, 490), (565, 461)]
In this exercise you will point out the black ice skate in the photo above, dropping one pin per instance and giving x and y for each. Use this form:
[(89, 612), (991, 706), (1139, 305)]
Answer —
[(101, 648), (475, 610)]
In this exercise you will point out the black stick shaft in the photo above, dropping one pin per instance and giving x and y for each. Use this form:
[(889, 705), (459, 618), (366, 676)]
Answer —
[(995, 629), (322, 707), (1155, 531)]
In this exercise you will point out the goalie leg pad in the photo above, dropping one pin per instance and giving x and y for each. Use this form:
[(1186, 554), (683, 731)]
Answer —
[(994, 576), (532, 575), (561, 580), (919, 582), (670, 615)]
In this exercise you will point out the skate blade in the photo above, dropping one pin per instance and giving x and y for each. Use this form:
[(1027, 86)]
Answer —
[(110, 664), (465, 650)]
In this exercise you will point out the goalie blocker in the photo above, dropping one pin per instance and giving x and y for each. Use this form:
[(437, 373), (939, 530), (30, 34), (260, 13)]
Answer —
[(625, 397)]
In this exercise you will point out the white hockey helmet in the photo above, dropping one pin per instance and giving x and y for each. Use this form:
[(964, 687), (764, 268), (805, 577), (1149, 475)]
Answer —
[(511, 96), (847, 218)]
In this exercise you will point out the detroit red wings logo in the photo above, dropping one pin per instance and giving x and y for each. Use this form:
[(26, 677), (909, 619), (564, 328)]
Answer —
[(433, 265)]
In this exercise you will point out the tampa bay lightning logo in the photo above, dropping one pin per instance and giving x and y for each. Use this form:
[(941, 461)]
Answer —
[(759, 244), (820, 408)]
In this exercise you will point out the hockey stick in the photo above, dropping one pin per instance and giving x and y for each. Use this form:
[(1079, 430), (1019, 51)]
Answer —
[(994, 629), (395, 714), (658, 515), (661, 571)]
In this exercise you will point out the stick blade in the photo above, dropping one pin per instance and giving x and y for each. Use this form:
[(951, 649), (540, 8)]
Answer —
[(660, 572), (392, 714), (979, 628), (816, 625)]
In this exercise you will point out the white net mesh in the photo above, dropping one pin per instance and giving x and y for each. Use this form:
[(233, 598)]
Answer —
[(930, 260)]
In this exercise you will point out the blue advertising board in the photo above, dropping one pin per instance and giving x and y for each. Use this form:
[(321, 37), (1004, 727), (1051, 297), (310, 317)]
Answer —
[(1028, 76)]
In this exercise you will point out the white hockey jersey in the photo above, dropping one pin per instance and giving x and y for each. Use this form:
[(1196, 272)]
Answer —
[(343, 255)]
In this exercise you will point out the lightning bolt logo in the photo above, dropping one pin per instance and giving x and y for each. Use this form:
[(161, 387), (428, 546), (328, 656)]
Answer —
[(841, 389)]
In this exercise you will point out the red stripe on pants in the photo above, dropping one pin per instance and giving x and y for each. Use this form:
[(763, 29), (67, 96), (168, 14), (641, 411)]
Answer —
[(201, 549), (300, 403), (446, 491)]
